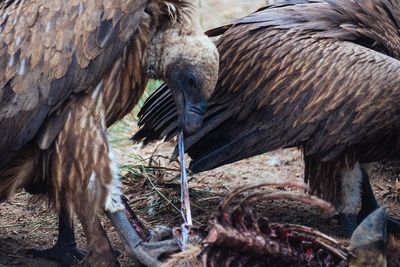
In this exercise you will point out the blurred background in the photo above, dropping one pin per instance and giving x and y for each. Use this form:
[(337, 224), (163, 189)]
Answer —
[(214, 13)]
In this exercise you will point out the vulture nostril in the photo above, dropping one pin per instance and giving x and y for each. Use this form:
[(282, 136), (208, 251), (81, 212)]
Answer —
[(196, 110)]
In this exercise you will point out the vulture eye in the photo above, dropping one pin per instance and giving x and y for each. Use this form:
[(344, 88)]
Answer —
[(191, 80)]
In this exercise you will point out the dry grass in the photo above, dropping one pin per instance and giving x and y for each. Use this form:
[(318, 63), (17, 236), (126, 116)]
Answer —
[(153, 190)]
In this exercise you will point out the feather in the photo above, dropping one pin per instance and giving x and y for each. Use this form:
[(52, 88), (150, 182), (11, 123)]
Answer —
[(321, 75), (69, 69)]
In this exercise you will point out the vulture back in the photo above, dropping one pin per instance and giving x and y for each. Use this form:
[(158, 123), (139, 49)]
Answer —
[(322, 75), (50, 50)]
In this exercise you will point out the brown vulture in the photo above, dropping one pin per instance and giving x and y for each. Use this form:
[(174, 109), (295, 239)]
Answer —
[(69, 69), (320, 75)]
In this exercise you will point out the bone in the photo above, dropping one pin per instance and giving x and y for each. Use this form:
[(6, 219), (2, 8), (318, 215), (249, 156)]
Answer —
[(281, 182), (185, 200)]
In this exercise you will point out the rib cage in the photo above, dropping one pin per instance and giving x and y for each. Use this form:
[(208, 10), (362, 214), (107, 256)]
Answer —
[(237, 236)]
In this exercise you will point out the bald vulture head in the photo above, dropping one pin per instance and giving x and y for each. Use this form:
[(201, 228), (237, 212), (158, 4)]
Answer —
[(187, 60)]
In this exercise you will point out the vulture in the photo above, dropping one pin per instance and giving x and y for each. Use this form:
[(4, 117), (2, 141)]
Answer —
[(68, 70), (320, 75)]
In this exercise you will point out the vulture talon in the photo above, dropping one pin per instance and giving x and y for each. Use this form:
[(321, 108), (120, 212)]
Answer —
[(64, 251), (146, 253), (160, 233), (158, 248), (64, 254), (369, 204), (369, 240)]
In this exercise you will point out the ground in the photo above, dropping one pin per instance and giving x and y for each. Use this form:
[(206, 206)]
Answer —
[(154, 192)]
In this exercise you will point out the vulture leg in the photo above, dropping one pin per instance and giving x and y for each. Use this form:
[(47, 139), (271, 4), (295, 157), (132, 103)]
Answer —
[(370, 204), (357, 191), (85, 176), (369, 240), (368, 200), (348, 223), (82, 175), (351, 199), (64, 251)]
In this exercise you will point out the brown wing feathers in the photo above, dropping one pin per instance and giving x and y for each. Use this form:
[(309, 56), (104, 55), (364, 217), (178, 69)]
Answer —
[(47, 55), (298, 75)]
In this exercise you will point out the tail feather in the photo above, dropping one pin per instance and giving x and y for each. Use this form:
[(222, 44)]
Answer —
[(211, 152), (158, 117), (161, 97)]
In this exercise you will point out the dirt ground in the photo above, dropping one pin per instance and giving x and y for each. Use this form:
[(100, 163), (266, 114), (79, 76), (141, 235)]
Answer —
[(154, 192)]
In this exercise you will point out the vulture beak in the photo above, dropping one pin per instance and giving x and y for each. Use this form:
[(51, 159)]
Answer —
[(192, 116), (190, 92)]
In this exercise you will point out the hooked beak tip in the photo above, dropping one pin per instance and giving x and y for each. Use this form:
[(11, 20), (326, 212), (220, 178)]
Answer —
[(192, 118)]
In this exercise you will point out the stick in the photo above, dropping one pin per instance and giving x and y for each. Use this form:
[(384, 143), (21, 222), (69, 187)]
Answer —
[(185, 201)]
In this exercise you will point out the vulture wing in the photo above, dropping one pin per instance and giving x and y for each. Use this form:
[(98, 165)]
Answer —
[(302, 75), (50, 49)]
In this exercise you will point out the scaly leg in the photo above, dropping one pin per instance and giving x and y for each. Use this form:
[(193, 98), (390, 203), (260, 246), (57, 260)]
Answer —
[(370, 204)]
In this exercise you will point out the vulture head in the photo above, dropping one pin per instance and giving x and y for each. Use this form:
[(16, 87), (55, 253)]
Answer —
[(187, 60)]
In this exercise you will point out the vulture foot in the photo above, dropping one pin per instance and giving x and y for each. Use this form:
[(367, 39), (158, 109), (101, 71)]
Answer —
[(64, 251), (369, 240), (393, 225), (148, 252), (64, 254), (160, 233), (369, 204), (156, 249)]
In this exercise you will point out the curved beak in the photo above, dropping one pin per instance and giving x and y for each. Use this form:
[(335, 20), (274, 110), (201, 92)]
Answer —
[(192, 116), (191, 108), (190, 87)]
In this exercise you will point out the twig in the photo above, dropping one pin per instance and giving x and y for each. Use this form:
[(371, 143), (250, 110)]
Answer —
[(169, 202), (185, 199)]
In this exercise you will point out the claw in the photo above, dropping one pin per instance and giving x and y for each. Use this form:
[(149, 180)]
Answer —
[(145, 252), (369, 240), (66, 255), (160, 233), (156, 249)]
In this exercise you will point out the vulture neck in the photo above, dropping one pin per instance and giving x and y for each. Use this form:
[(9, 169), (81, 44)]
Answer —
[(167, 47), (168, 35), (142, 59), (154, 63)]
